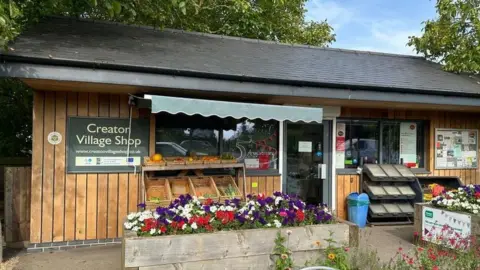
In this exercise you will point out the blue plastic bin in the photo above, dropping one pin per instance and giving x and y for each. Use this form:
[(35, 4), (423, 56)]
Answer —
[(358, 208)]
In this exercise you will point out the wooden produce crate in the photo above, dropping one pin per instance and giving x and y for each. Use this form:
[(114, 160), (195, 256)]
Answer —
[(175, 160), (147, 161), (180, 186), (157, 192), (228, 161), (204, 187), (227, 187), (195, 161), (211, 160)]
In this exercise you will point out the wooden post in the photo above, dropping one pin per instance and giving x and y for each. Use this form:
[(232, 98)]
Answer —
[(9, 234)]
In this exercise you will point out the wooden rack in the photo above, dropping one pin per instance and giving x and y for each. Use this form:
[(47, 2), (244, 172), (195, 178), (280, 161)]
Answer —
[(198, 170)]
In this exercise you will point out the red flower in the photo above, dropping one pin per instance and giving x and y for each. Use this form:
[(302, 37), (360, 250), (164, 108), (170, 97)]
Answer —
[(432, 257), (435, 268), (224, 216), (410, 261), (477, 195), (420, 249), (400, 249), (300, 215), (415, 234), (150, 223), (261, 196), (208, 201), (163, 229), (209, 227)]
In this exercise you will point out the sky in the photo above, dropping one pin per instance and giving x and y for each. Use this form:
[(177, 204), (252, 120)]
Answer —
[(373, 25)]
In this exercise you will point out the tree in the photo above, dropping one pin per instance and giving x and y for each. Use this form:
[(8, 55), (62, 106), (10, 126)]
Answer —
[(277, 20), (16, 119), (453, 38)]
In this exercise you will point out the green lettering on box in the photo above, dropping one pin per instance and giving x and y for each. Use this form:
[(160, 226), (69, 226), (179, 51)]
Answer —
[(428, 214)]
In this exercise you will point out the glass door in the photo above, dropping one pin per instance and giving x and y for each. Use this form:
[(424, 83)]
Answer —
[(307, 161)]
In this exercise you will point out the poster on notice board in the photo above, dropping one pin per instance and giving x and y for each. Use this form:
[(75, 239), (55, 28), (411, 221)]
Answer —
[(408, 144), (456, 148), (340, 146)]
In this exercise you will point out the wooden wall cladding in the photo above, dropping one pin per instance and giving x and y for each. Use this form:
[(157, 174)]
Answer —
[(346, 184), (69, 207), (262, 184)]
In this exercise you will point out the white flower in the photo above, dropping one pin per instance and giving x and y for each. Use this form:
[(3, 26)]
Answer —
[(268, 225), (213, 209), (168, 220), (460, 188), (131, 216), (141, 218), (277, 223), (289, 232), (229, 208), (184, 226), (153, 231), (201, 212), (135, 229), (475, 211), (156, 215), (278, 200), (128, 225), (194, 226)]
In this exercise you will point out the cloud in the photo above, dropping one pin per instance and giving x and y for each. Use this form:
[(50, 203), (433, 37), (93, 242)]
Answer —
[(336, 15), (392, 36)]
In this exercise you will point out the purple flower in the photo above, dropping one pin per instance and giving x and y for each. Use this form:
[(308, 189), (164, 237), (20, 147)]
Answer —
[(256, 215), (262, 221), (285, 221), (262, 203), (206, 208), (269, 200), (277, 193), (236, 202), (142, 205), (227, 202), (240, 218), (249, 196)]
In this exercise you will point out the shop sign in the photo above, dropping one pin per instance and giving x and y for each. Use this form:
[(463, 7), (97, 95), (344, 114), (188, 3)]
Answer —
[(435, 221), (101, 144)]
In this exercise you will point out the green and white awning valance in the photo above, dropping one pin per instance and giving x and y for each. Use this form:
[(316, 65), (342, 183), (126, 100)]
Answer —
[(224, 109)]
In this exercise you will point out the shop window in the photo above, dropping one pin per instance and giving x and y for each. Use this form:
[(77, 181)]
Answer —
[(385, 142), (255, 142), (252, 141)]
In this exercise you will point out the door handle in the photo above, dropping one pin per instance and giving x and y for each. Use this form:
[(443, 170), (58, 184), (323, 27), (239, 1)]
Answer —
[(322, 171)]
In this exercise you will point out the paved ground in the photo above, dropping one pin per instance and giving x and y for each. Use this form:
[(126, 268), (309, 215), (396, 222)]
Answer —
[(386, 240)]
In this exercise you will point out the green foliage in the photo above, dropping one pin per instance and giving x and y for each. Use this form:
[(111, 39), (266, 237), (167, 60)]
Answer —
[(277, 20), (16, 119), (452, 38), (282, 256), (333, 255)]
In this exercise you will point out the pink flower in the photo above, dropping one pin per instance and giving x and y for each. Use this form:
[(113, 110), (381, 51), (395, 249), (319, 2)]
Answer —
[(283, 214)]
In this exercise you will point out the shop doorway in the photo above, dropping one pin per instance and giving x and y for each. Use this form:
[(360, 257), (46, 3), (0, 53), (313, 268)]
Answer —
[(307, 161)]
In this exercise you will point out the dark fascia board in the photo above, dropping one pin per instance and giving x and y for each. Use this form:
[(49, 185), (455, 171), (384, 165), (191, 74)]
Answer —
[(65, 73)]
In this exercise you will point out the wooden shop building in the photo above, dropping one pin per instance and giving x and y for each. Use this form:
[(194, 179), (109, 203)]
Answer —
[(302, 119)]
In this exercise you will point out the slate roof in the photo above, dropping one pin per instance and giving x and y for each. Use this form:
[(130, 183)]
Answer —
[(111, 45)]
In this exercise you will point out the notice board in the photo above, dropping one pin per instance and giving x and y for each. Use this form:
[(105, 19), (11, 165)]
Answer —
[(456, 148), (100, 144)]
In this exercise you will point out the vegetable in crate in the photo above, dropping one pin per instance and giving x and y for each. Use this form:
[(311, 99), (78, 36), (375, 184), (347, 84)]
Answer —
[(227, 156)]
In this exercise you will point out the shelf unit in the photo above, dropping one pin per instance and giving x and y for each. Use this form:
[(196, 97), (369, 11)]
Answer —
[(393, 190), (198, 169)]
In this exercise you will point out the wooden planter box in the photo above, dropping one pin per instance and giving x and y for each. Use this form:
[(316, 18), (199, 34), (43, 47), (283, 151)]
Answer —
[(157, 192), (427, 215), (223, 182), (247, 249), (204, 185)]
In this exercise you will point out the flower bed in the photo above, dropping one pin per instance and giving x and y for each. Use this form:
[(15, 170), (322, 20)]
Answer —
[(188, 215), (189, 233), (465, 199)]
